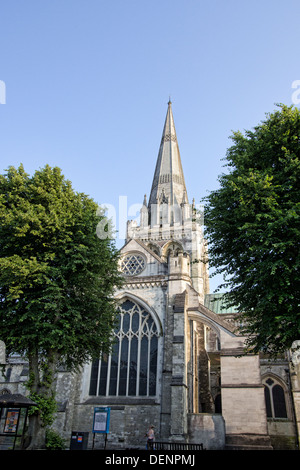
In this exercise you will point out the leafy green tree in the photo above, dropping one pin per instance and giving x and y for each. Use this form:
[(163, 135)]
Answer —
[(253, 230), (57, 279)]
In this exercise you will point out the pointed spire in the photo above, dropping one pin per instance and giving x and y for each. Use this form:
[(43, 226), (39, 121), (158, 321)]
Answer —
[(184, 199), (144, 216), (168, 175)]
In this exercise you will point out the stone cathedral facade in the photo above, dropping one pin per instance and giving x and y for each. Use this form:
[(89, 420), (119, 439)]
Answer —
[(178, 360)]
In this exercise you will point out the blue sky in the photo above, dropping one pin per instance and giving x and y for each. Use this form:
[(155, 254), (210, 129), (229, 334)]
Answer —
[(87, 84)]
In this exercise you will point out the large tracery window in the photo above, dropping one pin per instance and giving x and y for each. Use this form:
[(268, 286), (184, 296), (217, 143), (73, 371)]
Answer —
[(133, 264), (131, 369)]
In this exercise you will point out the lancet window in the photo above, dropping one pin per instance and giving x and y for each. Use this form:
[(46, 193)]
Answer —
[(275, 399), (131, 369)]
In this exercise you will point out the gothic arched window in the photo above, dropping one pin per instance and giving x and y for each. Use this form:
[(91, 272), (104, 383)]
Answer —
[(131, 369), (275, 399)]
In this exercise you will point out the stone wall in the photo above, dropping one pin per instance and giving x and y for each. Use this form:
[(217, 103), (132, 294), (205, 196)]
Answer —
[(295, 382), (128, 424), (243, 403), (208, 429)]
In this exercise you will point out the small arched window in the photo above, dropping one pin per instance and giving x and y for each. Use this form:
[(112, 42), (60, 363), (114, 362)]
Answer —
[(131, 369), (218, 404), (173, 249), (275, 399)]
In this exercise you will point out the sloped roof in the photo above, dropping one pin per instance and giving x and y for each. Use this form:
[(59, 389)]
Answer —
[(216, 303), (142, 245), (15, 399)]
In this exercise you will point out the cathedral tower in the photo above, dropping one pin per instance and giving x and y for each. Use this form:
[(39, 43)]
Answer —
[(170, 350), (169, 224)]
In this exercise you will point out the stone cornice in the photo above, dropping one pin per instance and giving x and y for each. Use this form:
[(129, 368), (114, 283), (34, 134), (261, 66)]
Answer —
[(242, 385), (143, 282)]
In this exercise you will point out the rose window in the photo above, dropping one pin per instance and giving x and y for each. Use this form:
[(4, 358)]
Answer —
[(131, 265)]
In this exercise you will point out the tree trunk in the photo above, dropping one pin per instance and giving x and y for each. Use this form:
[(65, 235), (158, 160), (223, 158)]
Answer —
[(36, 433), (41, 383), (33, 440)]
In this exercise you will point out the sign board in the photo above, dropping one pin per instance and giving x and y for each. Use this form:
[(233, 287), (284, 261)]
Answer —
[(101, 420), (12, 418)]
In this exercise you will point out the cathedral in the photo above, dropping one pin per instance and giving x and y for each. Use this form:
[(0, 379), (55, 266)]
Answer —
[(178, 361)]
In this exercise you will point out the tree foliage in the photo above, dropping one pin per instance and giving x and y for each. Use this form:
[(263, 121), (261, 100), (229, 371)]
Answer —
[(253, 230), (57, 278)]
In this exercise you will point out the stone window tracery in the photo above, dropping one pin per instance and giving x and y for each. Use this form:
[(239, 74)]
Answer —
[(275, 399), (133, 264), (131, 369)]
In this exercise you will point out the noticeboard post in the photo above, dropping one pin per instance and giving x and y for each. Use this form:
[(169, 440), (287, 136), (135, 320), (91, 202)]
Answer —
[(101, 422), (13, 419)]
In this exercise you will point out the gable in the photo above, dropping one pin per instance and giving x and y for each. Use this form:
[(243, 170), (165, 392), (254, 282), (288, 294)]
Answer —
[(137, 260)]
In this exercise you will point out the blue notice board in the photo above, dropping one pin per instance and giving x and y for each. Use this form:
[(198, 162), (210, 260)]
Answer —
[(101, 420)]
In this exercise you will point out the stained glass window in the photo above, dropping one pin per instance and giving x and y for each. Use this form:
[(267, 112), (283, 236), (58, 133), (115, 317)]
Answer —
[(131, 369)]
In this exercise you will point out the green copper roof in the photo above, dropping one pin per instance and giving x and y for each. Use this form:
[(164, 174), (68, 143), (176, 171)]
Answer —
[(216, 303)]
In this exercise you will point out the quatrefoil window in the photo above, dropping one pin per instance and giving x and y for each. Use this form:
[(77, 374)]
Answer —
[(132, 265)]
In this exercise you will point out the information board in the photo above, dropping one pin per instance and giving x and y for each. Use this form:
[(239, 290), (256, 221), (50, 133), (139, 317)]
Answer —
[(101, 420), (12, 418)]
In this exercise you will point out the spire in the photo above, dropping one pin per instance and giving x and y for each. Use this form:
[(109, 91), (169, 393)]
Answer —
[(168, 175), (144, 218)]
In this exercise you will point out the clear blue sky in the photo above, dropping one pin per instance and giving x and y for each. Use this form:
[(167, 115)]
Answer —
[(88, 81)]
